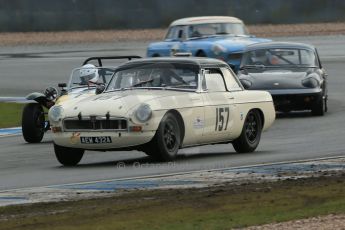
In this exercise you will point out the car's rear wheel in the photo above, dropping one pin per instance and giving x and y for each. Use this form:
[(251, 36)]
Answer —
[(250, 136), (33, 122), (166, 142), (320, 107), (68, 156)]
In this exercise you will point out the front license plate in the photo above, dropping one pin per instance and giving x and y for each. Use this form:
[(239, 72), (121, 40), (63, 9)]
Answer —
[(95, 140)]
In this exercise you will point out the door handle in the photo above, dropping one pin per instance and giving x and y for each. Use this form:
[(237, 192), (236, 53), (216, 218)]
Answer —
[(231, 97)]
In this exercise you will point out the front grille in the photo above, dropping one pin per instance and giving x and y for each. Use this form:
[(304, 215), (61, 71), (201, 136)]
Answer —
[(93, 123)]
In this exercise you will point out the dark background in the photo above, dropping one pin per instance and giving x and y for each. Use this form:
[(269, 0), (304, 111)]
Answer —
[(52, 15)]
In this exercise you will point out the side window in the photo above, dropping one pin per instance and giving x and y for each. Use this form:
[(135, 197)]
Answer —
[(230, 80), (214, 82), (180, 33), (176, 33)]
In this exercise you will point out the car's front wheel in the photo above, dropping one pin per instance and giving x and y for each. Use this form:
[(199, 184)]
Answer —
[(68, 156), (33, 122), (320, 107), (250, 136), (166, 142)]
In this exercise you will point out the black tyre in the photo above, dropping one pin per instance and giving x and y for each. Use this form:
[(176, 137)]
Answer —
[(250, 136), (68, 156), (201, 54), (166, 142), (319, 108), (33, 122)]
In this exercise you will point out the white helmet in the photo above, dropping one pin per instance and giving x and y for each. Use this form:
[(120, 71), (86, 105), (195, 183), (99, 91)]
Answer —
[(88, 73)]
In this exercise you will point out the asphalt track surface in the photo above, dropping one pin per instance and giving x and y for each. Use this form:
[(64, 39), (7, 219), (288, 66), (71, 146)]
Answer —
[(296, 136)]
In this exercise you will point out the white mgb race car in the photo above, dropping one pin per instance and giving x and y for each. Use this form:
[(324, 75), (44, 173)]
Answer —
[(159, 105)]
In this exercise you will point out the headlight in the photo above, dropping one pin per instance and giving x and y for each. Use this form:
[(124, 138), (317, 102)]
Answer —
[(246, 83), (55, 113), (143, 113), (218, 49), (310, 82)]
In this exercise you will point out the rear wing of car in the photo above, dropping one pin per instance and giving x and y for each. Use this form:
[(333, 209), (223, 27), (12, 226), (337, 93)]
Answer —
[(99, 59)]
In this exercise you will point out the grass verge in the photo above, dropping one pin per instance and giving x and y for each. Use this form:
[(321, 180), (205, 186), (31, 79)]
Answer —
[(221, 207), (10, 114)]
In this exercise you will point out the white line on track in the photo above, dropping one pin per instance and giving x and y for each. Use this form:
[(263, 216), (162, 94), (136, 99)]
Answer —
[(10, 132)]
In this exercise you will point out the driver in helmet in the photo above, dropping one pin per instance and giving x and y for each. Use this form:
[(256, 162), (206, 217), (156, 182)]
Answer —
[(88, 74)]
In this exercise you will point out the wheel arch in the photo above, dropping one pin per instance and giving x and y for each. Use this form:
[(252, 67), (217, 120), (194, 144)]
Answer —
[(40, 98), (262, 116)]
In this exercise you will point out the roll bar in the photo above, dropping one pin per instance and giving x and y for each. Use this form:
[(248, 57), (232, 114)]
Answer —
[(99, 59)]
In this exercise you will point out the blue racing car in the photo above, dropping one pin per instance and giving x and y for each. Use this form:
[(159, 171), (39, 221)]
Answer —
[(215, 36)]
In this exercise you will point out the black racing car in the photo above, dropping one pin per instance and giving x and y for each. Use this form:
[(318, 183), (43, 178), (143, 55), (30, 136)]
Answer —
[(291, 72)]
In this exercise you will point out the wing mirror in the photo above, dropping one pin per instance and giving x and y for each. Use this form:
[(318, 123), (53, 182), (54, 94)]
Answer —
[(100, 88)]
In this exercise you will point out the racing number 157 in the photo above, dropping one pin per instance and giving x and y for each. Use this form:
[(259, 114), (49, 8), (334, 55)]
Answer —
[(222, 116)]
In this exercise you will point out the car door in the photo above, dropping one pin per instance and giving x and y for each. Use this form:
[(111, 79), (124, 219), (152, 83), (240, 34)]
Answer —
[(176, 40), (218, 107)]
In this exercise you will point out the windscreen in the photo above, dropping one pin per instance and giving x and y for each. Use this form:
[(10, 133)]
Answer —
[(86, 77), (155, 75), (279, 57)]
